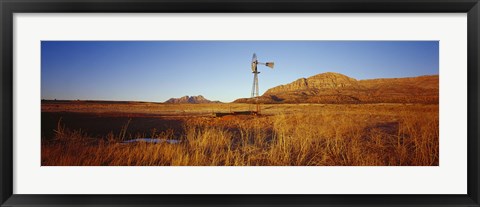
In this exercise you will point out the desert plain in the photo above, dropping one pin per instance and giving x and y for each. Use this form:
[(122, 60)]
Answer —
[(388, 132)]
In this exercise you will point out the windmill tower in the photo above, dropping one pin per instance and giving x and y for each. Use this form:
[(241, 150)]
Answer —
[(255, 72)]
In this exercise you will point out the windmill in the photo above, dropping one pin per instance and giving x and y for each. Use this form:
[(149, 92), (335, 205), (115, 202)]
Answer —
[(255, 76)]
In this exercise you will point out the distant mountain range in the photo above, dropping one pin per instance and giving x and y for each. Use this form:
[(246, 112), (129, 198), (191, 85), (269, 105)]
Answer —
[(191, 99), (338, 88)]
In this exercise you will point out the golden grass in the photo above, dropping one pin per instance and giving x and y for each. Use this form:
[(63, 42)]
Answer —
[(350, 135)]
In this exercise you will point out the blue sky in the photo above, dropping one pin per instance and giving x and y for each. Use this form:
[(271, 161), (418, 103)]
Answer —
[(219, 70)]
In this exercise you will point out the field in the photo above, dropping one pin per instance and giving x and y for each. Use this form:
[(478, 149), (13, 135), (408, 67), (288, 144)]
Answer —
[(80, 133)]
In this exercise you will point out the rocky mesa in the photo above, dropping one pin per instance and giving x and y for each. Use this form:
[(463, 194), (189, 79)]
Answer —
[(340, 89), (190, 99)]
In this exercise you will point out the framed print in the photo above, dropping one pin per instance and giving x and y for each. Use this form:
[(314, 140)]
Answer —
[(195, 103)]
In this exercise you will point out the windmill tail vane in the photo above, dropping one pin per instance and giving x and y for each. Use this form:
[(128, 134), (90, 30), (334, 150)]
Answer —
[(268, 64)]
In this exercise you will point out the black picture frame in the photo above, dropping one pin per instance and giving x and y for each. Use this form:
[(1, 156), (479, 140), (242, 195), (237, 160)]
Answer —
[(9, 7)]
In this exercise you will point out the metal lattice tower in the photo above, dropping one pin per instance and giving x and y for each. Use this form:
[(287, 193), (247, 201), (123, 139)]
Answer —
[(255, 83)]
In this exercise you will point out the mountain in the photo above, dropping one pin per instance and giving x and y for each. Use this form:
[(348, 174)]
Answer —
[(190, 99), (338, 88)]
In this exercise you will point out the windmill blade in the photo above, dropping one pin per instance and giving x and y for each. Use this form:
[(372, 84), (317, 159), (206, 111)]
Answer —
[(270, 64), (254, 63)]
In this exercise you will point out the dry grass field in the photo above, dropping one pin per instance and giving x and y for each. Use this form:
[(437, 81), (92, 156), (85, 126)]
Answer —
[(98, 134)]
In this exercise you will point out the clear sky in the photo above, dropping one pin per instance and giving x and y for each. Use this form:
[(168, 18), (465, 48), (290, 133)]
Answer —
[(219, 70)]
